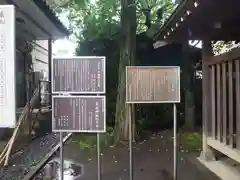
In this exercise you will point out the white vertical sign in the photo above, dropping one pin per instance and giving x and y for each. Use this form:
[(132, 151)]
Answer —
[(7, 67)]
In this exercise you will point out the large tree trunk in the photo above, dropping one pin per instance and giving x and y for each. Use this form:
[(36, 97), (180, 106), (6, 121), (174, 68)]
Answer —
[(188, 87), (127, 57)]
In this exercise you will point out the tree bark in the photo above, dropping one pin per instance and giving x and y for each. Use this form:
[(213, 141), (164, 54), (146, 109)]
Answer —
[(188, 88), (127, 57)]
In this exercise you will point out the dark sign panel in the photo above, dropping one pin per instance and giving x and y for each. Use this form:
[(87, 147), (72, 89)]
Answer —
[(147, 84), (79, 114), (79, 75)]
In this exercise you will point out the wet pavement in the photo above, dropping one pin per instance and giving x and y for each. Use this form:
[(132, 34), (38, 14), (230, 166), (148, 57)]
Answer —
[(22, 162), (152, 160), (72, 170)]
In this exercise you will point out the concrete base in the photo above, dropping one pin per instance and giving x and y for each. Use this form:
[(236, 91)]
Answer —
[(207, 156), (222, 169)]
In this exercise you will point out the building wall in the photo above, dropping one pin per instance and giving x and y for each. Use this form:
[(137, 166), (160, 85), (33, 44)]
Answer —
[(40, 57), (40, 64)]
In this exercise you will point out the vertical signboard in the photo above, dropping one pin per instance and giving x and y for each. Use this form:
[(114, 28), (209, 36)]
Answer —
[(152, 84), (78, 75), (7, 66)]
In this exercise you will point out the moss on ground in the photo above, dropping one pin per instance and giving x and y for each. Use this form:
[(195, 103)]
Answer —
[(191, 141), (89, 141)]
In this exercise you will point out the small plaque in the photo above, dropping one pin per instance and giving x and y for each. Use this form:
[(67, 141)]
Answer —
[(148, 84), (79, 114), (78, 75)]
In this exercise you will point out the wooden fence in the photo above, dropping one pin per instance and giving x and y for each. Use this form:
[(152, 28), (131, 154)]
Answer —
[(224, 81)]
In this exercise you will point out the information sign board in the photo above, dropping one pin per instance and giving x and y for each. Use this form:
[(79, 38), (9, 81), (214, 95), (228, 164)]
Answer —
[(152, 84), (79, 114), (78, 75)]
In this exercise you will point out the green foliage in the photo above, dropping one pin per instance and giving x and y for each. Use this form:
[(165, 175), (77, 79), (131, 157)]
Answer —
[(191, 141), (152, 6), (90, 20), (89, 141), (220, 47)]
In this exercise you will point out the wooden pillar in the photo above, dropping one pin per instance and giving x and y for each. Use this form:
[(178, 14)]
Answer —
[(207, 152), (50, 69)]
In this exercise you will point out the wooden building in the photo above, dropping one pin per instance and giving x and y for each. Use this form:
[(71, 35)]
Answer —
[(36, 28), (209, 21)]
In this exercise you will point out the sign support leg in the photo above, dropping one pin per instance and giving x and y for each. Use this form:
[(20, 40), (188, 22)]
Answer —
[(61, 157), (98, 157), (174, 142), (130, 144)]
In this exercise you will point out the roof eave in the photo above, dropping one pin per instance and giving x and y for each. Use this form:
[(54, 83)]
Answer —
[(170, 19), (52, 16)]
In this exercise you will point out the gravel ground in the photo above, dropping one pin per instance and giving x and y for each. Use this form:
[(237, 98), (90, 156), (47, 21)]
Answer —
[(152, 160), (21, 163)]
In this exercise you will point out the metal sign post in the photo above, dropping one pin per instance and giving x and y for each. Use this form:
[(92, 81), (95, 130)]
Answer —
[(130, 144), (74, 113), (61, 157), (174, 142), (99, 157), (153, 84)]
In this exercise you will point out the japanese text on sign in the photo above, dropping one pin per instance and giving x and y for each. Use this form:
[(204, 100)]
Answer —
[(147, 84), (79, 75), (79, 114)]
